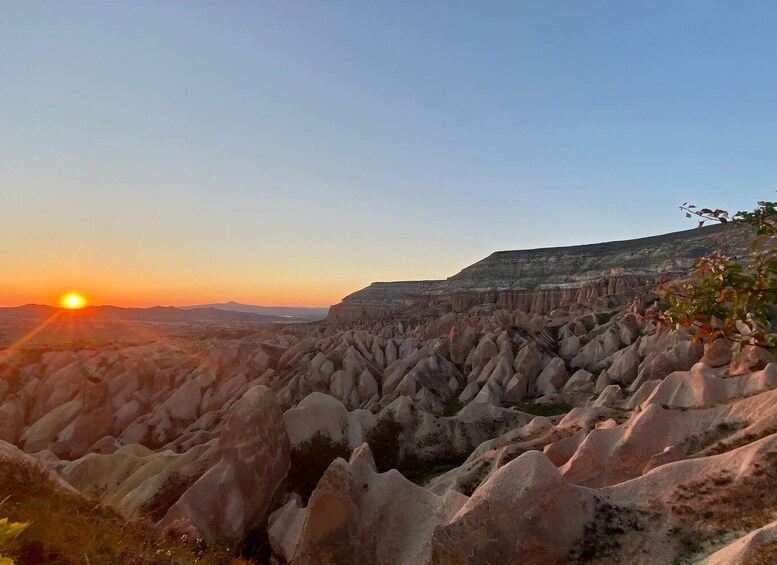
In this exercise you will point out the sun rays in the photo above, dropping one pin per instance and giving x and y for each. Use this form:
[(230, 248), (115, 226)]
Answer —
[(73, 301)]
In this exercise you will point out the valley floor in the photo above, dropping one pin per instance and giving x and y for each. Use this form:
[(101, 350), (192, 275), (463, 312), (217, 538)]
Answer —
[(576, 437)]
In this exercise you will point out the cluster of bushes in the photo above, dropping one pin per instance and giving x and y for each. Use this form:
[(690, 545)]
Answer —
[(605, 317), (384, 443), (543, 409), (452, 407), (706, 511), (309, 460), (729, 298)]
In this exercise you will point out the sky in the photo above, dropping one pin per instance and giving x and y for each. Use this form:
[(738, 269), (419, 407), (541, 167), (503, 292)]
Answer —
[(293, 152)]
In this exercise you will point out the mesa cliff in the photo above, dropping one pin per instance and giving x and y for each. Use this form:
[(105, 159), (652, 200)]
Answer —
[(537, 281)]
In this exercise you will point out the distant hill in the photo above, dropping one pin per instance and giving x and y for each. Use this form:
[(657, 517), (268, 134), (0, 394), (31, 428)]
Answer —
[(303, 313)]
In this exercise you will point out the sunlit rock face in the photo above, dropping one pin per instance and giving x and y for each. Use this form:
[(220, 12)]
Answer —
[(541, 280), (233, 497)]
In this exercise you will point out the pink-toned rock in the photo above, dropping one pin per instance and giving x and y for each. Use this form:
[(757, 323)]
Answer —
[(11, 420), (717, 353), (184, 402), (560, 451), (528, 362), (302, 346), (602, 381), (105, 446), (668, 455), (570, 347), (43, 433), (462, 338), (252, 459), (127, 414), (469, 393), (579, 378), (748, 358), (483, 353), (747, 549), (552, 378), (356, 515), (524, 513), (612, 395), (625, 366), (516, 388), (597, 349), (80, 434), (284, 528), (366, 386)]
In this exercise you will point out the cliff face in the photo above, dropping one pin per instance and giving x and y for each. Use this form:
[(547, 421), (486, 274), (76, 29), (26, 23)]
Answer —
[(382, 300), (540, 280)]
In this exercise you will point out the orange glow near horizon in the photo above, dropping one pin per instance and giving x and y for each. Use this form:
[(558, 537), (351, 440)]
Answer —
[(118, 274), (136, 300), (107, 291), (73, 301)]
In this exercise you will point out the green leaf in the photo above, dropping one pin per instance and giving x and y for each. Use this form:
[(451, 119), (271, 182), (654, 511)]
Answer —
[(9, 531)]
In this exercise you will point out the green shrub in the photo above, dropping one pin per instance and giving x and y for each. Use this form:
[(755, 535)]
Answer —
[(383, 440), (541, 409), (9, 531), (309, 460), (605, 317), (452, 407), (421, 471), (727, 298)]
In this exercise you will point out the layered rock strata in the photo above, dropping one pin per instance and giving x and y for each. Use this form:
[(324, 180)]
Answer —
[(538, 281)]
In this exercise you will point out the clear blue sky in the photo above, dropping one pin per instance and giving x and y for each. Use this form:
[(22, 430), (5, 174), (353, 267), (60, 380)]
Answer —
[(294, 152)]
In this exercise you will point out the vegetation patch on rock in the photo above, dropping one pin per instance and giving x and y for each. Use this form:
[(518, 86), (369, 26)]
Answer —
[(543, 409), (698, 443), (309, 460), (707, 510), (68, 528), (601, 535)]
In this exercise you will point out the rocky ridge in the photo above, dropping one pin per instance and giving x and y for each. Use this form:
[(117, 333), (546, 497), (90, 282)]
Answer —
[(602, 275)]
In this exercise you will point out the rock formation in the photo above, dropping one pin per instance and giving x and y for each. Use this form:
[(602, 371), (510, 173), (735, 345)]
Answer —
[(541, 280), (527, 410), (232, 497)]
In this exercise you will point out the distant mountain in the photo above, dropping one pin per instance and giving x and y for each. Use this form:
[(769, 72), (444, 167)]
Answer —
[(153, 314), (303, 313)]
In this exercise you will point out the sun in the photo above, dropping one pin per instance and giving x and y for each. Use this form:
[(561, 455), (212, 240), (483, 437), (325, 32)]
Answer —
[(73, 301)]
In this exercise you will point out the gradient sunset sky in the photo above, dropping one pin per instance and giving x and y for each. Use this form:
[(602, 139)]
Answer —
[(293, 152)]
